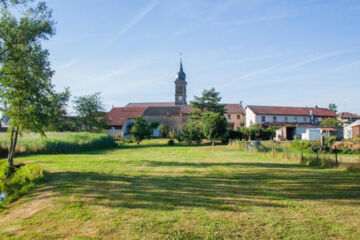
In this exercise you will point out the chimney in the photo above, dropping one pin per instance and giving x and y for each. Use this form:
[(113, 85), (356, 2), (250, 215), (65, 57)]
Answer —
[(241, 103), (316, 107)]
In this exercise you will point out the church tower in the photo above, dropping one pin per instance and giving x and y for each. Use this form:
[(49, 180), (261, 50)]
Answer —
[(180, 87)]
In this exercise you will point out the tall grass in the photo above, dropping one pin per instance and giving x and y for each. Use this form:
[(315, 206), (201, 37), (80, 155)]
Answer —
[(283, 150), (57, 143)]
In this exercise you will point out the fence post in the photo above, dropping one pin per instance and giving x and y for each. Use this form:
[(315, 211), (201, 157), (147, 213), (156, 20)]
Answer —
[(336, 158)]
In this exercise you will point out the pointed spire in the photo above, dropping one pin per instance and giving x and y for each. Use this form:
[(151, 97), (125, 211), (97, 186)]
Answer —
[(181, 74), (181, 66)]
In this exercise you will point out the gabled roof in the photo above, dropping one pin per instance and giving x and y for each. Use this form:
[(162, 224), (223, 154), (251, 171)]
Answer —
[(292, 111), (354, 124), (234, 108), (151, 104), (162, 111), (346, 115), (119, 115)]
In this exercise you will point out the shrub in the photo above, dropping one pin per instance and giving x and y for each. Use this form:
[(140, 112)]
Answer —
[(171, 142), (192, 133), (61, 142), (164, 130), (141, 129), (24, 178)]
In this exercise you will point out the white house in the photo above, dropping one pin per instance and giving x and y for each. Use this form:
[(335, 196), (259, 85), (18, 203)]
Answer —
[(348, 130), (280, 116)]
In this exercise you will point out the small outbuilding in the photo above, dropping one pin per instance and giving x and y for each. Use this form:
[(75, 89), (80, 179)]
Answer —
[(352, 130)]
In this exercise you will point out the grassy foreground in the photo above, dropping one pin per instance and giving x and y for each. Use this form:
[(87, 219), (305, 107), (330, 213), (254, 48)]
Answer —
[(159, 192)]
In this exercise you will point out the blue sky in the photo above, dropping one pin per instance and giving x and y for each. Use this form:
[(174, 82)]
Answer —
[(263, 52)]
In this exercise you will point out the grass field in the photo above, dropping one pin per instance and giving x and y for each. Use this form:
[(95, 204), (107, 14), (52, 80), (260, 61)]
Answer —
[(154, 191), (56, 142)]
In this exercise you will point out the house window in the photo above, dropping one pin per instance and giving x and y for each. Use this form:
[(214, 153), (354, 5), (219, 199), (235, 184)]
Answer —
[(295, 119), (274, 119), (262, 118), (229, 117), (304, 119), (238, 116), (286, 119)]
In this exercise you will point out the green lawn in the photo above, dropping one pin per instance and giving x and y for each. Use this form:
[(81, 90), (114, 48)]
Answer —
[(160, 192)]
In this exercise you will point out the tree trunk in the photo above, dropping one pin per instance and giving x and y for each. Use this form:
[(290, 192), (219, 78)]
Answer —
[(12, 147), (213, 143)]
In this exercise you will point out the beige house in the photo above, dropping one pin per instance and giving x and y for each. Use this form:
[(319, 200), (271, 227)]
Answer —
[(173, 116), (235, 116)]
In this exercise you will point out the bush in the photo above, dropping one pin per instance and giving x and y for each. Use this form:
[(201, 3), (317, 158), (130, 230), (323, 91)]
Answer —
[(164, 130), (20, 182), (192, 133), (60, 143), (256, 132), (171, 142)]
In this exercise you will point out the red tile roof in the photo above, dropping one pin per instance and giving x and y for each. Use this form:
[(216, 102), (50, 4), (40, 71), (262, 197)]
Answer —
[(292, 111), (234, 108), (151, 104), (119, 115), (346, 115)]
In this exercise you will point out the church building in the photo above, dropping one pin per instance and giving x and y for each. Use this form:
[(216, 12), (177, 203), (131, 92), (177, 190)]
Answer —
[(172, 114)]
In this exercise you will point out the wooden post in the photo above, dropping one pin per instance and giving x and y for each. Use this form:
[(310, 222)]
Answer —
[(336, 158)]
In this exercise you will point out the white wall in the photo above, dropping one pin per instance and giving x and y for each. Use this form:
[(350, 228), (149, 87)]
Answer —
[(250, 117), (281, 119)]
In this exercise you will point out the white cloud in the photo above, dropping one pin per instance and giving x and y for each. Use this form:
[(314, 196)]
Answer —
[(316, 58), (138, 17), (260, 19), (116, 73), (69, 63)]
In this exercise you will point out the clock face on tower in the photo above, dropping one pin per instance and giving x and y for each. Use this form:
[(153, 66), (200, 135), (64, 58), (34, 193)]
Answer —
[(180, 98)]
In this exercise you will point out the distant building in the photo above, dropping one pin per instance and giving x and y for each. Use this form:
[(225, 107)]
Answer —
[(347, 117), (285, 116), (122, 118), (352, 130), (4, 124), (235, 115), (173, 114)]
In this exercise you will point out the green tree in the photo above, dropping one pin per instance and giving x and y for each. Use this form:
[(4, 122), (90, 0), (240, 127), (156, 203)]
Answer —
[(164, 130), (330, 122), (25, 74), (208, 102), (333, 107), (90, 111), (192, 133), (141, 129), (214, 126), (59, 102)]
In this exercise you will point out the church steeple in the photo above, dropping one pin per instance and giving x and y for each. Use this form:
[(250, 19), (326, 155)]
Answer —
[(180, 86), (181, 74)]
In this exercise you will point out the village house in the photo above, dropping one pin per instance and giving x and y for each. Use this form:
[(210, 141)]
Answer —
[(352, 130), (281, 116), (235, 115), (293, 122), (346, 117), (172, 114)]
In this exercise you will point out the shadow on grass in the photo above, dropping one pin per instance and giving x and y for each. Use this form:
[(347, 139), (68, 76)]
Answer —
[(152, 163), (216, 191)]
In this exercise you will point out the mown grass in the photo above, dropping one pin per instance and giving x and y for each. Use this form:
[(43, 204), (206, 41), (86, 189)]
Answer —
[(155, 191), (57, 142)]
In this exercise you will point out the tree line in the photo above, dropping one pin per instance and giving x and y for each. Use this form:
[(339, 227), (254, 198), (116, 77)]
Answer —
[(27, 94)]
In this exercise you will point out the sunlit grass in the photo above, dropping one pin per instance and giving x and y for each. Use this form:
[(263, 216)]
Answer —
[(155, 191), (57, 142)]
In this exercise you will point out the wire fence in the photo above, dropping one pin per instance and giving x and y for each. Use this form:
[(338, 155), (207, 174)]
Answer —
[(319, 157)]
